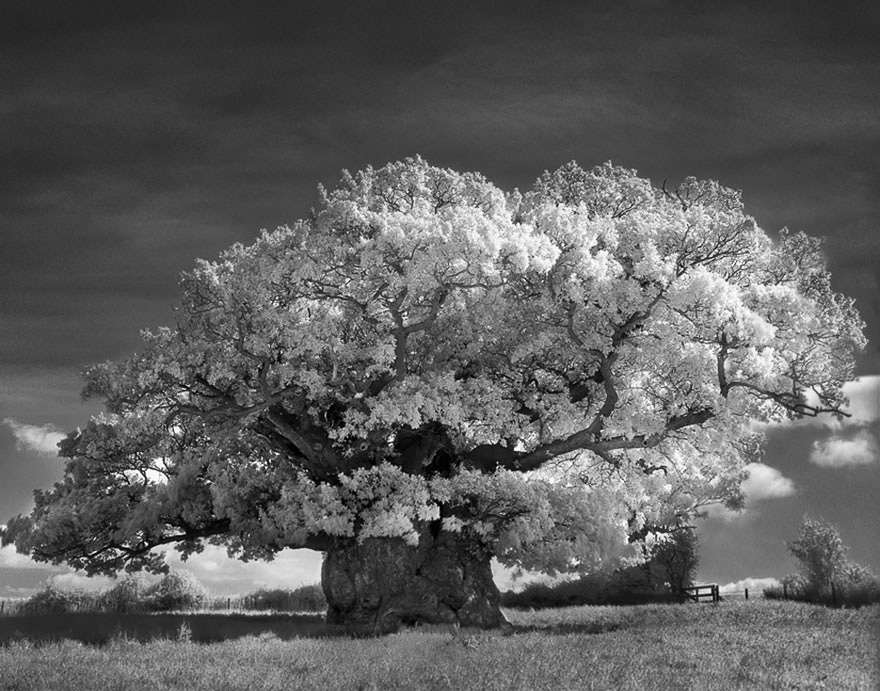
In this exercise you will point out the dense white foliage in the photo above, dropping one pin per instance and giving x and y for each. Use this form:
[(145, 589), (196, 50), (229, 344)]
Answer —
[(556, 373)]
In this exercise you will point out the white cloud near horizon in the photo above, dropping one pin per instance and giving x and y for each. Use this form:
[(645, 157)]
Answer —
[(11, 559), (755, 585), (41, 439), (222, 574), (219, 573), (839, 451)]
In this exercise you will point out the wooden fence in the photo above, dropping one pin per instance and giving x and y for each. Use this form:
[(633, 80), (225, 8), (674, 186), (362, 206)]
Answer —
[(699, 593), (712, 593)]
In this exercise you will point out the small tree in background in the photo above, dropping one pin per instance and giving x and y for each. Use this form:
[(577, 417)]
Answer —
[(820, 551), (826, 575), (129, 594), (55, 600), (177, 590), (673, 562)]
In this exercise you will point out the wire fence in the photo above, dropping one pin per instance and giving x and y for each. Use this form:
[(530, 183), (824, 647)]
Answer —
[(284, 602), (712, 592), (736, 595), (11, 606)]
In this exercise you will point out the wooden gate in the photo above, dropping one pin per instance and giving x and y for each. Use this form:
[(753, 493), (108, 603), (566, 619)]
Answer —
[(698, 593)]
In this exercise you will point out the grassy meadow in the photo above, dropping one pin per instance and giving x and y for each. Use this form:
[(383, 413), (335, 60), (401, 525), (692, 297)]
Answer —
[(744, 645)]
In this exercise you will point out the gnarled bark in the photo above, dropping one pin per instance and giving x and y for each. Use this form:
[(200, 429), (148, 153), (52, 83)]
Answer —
[(383, 583)]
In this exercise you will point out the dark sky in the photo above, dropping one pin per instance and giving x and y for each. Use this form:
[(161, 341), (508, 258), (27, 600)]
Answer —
[(137, 137)]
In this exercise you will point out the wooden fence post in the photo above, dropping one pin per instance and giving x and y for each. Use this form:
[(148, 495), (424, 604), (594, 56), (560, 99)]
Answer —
[(784, 591), (747, 593), (228, 603)]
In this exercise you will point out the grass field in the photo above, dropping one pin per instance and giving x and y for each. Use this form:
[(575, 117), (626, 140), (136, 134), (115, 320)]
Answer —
[(750, 645)]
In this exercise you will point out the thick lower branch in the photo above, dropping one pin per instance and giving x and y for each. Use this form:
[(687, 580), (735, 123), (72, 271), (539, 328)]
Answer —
[(113, 555), (586, 441)]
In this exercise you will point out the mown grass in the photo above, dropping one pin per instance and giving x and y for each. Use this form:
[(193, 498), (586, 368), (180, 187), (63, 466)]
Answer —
[(750, 645)]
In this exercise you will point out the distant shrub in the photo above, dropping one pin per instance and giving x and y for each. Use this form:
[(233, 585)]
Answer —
[(53, 600), (859, 593), (669, 568), (620, 588), (277, 599), (133, 594), (827, 577), (178, 590), (128, 595), (307, 598)]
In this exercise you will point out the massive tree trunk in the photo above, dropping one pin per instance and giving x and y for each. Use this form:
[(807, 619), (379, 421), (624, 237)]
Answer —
[(383, 583)]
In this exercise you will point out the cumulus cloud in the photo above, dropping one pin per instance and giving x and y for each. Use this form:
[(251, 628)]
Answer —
[(42, 439), (220, 574), (863, 408), (224, 575), (838, 451), (864, 399), (763, 483), (76, 581), (10, 559), (755, 585)]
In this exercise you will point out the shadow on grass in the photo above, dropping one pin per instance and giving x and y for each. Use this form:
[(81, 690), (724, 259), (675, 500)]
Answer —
[(100, 628)]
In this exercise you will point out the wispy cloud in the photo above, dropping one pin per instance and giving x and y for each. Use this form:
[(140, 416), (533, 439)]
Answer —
[(42, 439), (839, 451)]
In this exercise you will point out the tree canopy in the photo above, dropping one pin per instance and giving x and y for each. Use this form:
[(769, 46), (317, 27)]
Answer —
[(557, 373), (822, 556)]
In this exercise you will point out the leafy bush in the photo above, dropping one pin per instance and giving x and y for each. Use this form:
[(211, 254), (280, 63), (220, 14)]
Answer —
[(827, 576), (307, 598), (853, 593), (178, 590), (128, 595), (588, 590), (53, 600), (669, 568)]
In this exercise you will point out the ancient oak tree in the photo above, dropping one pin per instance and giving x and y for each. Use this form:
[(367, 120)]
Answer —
[(428, 372)]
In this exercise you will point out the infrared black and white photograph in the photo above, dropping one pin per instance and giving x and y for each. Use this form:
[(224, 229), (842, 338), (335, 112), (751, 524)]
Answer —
[(473, 345)]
